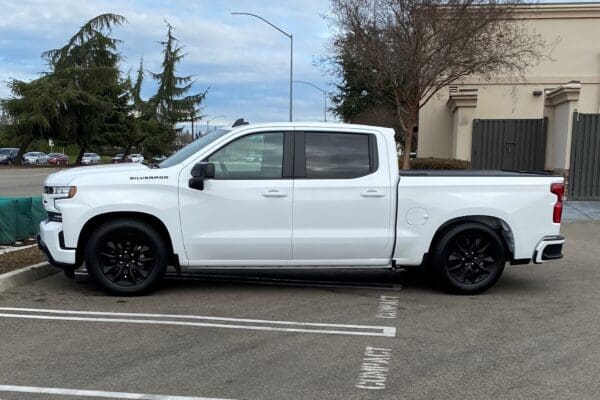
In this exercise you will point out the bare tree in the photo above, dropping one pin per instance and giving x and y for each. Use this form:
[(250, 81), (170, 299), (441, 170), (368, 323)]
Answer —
[(410, 49)]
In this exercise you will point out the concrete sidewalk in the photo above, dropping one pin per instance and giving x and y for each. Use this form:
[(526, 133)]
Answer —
[(581, 211)]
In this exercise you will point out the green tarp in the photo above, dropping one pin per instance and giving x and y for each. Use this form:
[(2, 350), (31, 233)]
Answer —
[(8, 221), (20, 218)]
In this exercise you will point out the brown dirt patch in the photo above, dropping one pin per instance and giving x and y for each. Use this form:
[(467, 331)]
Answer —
[(20, 258)]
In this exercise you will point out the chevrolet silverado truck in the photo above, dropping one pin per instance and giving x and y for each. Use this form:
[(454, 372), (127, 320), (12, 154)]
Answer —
[(297, 195)]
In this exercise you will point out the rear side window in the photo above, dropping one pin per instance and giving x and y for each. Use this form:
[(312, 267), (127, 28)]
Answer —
[(338, 155)]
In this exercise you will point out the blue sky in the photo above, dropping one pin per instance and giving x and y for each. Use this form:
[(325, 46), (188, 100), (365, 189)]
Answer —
[(243, 61)]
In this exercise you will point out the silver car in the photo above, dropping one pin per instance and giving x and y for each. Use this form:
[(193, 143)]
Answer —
[(136, 158), (35, 158), (90, 158)]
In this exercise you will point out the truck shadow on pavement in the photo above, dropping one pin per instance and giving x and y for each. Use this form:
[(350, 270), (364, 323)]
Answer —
[(352, 279)]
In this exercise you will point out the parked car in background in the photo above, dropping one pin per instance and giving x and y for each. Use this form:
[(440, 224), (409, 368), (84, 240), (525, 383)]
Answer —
[(8, 155), (119, 159), (35, 158), (58, 159), (136, 158), (90, 158), (159, 158)]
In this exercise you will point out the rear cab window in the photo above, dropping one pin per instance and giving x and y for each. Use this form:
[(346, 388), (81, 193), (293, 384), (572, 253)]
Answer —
[(331, 155)]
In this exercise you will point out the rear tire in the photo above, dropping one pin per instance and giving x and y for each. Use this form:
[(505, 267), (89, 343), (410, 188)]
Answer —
[(126, 257), (468, 258)]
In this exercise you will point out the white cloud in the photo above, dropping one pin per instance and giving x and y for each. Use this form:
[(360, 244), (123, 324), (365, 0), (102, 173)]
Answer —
[(228, 53)]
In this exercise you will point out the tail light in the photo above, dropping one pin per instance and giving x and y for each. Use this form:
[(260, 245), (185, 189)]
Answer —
[(559, 190)]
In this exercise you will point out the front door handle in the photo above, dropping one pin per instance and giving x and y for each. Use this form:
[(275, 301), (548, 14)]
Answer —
[(372, 193), (273, 193)]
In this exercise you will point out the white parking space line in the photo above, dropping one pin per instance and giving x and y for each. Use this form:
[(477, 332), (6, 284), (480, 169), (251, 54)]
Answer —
[(95, 393), (218, 322)]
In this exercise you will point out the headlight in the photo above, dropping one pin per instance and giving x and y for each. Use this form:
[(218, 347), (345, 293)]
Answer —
[(61, 192)]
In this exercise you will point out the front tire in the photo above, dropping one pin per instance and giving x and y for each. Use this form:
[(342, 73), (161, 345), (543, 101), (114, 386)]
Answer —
[(126, 257), (469, 258)]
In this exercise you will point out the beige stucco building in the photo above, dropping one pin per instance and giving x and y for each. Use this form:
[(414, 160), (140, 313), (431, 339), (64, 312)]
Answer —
[(567, 82)]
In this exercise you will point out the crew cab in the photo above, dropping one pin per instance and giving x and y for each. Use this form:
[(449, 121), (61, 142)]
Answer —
[(297, 195)]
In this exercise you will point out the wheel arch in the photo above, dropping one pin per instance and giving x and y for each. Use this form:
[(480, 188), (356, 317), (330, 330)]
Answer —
[(150, 219), (495, 223)]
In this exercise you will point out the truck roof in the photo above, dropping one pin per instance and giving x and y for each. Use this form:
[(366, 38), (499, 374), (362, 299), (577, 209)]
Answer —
[(311, 124)]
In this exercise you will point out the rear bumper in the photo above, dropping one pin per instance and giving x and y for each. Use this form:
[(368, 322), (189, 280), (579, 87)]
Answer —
[(549, 249), (49, 241)]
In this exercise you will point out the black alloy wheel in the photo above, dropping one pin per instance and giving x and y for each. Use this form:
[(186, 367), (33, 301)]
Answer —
[(469, 258), (126, 259), (126, 256)]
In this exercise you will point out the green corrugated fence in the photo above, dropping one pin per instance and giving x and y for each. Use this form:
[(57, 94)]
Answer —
[(20, 218)]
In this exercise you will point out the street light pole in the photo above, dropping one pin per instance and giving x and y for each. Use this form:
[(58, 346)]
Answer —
[(208, 121), (324, 97), (291, 37)]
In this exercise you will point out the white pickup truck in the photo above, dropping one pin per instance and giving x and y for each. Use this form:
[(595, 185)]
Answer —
[(297, 195)]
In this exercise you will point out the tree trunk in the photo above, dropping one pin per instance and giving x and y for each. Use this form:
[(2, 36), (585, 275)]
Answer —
[(126, 152), (80, 156), (22, 148), (409, 123)]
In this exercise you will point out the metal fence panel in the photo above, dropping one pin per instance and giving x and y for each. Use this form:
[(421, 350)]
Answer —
[(584, 179), (515, 144)]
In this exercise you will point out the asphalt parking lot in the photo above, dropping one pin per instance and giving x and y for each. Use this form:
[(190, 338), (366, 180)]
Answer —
[(308, 335)]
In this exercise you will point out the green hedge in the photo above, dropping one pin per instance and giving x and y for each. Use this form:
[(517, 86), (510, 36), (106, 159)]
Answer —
[(438, 163), (20, 218)]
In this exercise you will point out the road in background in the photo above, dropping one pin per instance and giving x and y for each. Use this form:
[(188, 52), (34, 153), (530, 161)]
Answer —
[(16, 182)]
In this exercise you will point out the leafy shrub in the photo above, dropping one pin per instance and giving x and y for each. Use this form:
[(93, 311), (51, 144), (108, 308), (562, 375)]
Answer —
[(438, 163)]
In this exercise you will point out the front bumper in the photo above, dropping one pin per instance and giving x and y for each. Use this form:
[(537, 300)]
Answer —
[(49, 241), (549, 249)]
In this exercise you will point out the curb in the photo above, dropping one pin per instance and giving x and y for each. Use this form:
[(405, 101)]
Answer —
[(26, 275)]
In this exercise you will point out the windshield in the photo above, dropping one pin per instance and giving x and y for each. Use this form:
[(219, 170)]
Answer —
[(193, 148)]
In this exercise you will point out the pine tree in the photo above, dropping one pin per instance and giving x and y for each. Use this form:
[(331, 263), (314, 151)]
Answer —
[(170, 103), (33, 111), (87, 68)]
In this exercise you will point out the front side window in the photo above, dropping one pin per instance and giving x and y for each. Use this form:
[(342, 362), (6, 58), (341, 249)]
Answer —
[(257, 156), (337, 155)]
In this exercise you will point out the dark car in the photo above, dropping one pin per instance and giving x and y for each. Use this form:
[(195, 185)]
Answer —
[(8, 155), (58, 159)]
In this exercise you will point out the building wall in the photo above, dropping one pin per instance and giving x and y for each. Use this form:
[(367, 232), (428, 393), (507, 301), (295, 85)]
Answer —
[(571, 33)]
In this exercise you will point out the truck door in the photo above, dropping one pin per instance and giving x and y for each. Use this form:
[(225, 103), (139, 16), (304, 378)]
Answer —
[(342, 200), (244, 215)]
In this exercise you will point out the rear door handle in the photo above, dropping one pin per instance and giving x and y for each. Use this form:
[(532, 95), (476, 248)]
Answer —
[(372, 193), (273, 193)]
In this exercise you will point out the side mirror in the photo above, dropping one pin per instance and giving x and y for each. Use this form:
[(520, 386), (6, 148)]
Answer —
[(200, 172)]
